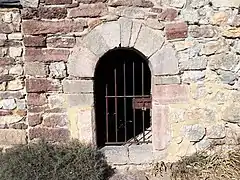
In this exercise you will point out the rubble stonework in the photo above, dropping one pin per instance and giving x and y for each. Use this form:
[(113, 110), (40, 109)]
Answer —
[(49, 50)]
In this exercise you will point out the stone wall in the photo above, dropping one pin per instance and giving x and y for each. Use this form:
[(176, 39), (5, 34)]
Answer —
[(193, 49), (13, 110)]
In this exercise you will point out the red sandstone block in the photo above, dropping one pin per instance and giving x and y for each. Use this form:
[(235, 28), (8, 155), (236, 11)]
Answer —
[(42, 85), (170, 94), (57, 2), (89, 10), (46, 55), (35, 27), (56, 134), (34, 119), (34, 41), (168, 14), (6, 61), (36, 99), (160, 125), (44, 13), (176, 30), (5, 112)]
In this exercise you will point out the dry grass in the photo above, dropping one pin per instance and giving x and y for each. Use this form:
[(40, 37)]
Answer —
[(203, 166)]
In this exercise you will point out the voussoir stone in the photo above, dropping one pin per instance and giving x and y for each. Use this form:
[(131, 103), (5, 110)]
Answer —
[(135, 31), (149, 41), (126, 27), (81, 62), (165, 62)]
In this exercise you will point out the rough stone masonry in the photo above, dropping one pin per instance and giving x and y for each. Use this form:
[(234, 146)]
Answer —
[(49, 49)]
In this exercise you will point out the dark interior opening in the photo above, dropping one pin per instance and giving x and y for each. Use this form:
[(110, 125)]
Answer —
[(111, 70)]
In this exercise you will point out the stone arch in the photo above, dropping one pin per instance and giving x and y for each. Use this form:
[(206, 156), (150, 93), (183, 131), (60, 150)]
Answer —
[(127, 33), (124, 32)]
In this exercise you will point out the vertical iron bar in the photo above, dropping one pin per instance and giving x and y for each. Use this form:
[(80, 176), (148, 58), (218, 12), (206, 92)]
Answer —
[(125, 103), (106, 112), (134, 123), (143, 113), (116, 110)]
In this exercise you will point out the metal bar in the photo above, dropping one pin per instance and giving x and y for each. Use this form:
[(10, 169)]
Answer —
[(143, 112), (121, 143), (106, 113), (134, 123), (137, 96), (116, 110), (125, 103)]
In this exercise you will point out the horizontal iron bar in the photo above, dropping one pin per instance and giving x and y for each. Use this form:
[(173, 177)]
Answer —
[(117, 143), (136, 96)]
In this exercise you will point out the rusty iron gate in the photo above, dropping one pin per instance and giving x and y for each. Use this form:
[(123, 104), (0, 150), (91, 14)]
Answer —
[(128, 103)]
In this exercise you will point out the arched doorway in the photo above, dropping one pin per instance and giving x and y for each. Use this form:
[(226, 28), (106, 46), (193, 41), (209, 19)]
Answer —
[(122, 88)]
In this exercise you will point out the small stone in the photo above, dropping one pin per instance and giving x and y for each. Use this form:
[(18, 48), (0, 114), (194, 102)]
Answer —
[(21, 104), (58, 70), (29, 3), (34, 119), (56, 101), (205, 31), (15, 51), (9, 104), (35, 69), (7, 17), (224, 61), (197, 63), (225, 3), (15, 36), (214, 47), (231, 32), (177, 3), (231, 113), (15, 85), (190, 15), (194, 133), (193, 76), (227, 77), (16, 70), (219, 18), (216, 132), (166, 80), (237, 46), (6, 78)]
